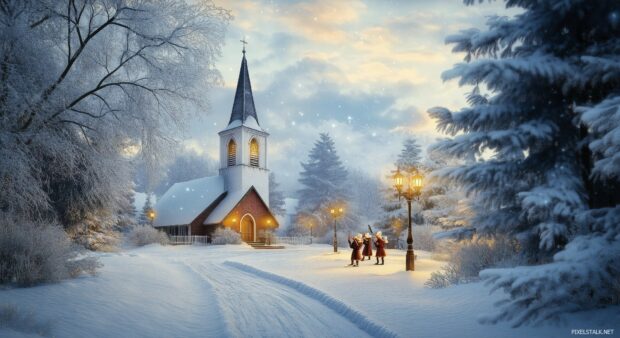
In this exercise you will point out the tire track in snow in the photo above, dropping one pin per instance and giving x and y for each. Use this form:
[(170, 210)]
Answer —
[(258, 307), (338, 306)]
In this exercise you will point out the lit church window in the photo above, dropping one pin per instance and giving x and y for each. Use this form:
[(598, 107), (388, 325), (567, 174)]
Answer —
[(254, 153), (232, 153)]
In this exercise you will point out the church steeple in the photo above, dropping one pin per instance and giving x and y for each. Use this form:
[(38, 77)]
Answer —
[(243, 143), (243, 107)]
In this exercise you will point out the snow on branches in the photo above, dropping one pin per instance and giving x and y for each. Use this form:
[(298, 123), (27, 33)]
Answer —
[(544, 131)]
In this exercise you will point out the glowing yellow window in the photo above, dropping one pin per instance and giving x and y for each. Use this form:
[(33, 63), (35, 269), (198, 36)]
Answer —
[(232, 153), (254, 153)]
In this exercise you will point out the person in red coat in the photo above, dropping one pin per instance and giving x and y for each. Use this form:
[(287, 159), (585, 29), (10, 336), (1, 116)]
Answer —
[(355, 244), (367, 250), (380, 243)]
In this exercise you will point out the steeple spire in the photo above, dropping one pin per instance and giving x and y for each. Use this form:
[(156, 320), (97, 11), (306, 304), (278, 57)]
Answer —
[(244, 101)]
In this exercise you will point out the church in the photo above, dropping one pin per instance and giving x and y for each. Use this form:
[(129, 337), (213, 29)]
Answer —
[(238, 197)]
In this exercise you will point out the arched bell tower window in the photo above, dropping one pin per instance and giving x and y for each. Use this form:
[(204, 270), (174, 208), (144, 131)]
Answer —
[(254, 153), (232, 153)]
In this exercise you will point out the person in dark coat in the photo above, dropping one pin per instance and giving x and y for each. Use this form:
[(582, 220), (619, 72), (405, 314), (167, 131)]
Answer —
[(380, 243), (367, 250), (355, 244)]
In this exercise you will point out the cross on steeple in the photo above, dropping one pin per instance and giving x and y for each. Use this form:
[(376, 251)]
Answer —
[(244, 43)]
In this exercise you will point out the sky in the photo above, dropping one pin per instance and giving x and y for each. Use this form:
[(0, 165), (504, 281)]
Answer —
[(365, 72)]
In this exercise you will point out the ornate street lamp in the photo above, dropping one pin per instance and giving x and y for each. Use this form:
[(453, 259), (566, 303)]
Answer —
[(336, 212), (409, 186)]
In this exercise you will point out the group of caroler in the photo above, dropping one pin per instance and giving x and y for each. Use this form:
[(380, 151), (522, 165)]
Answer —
[(362, 248)]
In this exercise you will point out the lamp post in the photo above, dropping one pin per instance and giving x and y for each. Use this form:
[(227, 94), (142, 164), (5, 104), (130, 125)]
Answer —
[(409, 187), (336, 212)]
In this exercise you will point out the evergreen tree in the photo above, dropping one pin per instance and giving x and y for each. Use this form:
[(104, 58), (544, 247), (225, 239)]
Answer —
[(276, 196), (548, 175), (127, 210), (410, 157), (144, 219), (322, 178), (394, 219)]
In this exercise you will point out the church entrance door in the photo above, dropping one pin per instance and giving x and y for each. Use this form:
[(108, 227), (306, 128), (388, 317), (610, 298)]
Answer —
[(247, 228)]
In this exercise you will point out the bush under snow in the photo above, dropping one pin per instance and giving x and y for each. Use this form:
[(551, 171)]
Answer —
[(34, 253), (142, 235), (226, 236), (467, 258)]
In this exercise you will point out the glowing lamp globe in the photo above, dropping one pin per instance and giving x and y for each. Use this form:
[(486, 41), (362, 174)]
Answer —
[(416, 181), (398, 180)]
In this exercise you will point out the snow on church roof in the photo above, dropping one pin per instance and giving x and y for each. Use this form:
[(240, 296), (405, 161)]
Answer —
[(249, 122), (184, 201), (225, 207)]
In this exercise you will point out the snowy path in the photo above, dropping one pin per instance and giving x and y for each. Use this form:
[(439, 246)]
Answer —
[(235, 291), (256, 307), (134, 295)]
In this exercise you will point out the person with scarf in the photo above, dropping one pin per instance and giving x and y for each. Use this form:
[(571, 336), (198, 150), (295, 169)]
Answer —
[(367, 250), (380, 245), (355, 244)]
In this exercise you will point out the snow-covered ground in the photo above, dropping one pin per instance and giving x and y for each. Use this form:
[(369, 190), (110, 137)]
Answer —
[(304, 291)]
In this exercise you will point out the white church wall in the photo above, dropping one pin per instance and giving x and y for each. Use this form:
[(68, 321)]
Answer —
[(242, 177)]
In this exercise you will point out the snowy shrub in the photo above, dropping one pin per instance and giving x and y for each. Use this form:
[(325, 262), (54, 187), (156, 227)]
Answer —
[(467, 258), (226, 236), (35, 253), (25, 322), (97, 231), (142, 235)]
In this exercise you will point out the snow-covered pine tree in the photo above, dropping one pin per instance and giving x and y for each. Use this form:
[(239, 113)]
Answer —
[(322, 178), (143, 218), (410, 157), (444, 203), (393, 219), (547, 169), (276, 196), (127, 211)]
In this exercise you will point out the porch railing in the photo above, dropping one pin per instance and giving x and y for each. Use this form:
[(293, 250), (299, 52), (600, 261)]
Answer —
[(188, 240), (296, 240)]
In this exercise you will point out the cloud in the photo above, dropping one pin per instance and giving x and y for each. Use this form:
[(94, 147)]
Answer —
[(323, 20), (364, 71)]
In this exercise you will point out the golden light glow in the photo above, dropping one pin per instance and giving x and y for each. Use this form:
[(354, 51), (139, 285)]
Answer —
[(232, 153), (398, 180), (254, 153), (234, 220), (333, 211), (417, 181), (151, 214)]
